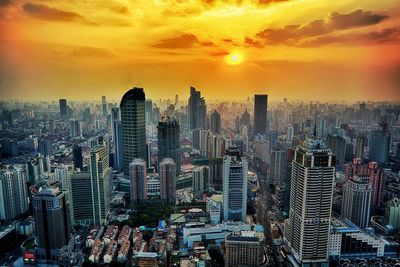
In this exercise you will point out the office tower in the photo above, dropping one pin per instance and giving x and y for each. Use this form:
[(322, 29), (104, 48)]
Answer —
[(50, 210), (307, 229), (289, 134), (279, 165), (244, 248), (80, 198), (237, 125), (320, 128), (197, 110), (361, 142), (62, 173), (356, 204), (201, 180), (168, 137), (337, 144), (104, 106), (260, 114), (138, 177), (100, 174), (149, 110), (168, 180), (215, 121), (133, 126), (34, 169), (392, 214), (13, 193), (148, 154), (75, 129), (376, 176), (245, 120), (63, 109), (45, 148), (117, 138), (77, 157), (379, 145), (235, 186), (262, 150), (217, 146)]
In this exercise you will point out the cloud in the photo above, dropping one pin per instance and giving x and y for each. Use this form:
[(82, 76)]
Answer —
[(182, 41), (267, 2), (88, 51), (4, 2), (44, 12), (122, 10), (292, 34), (388, 35)]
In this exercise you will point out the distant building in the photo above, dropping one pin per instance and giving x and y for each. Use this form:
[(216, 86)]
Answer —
[(138, 177), (50, 209), (215, 120), (201, 180), (117, 138), (379, 146), (361, 143), (262, 150), (197, 110), (45, 148), (75, 129), (100, 178), (133, 127), (77, 157), (81, 198), (356, 204), (260, 114), (278, 171), (243, 248), (235, 188), (337, 144), (168, 180), (104, 106), (63, 109), (168, 137)]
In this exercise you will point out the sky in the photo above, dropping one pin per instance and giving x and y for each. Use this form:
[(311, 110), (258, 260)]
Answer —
[(299, 49)]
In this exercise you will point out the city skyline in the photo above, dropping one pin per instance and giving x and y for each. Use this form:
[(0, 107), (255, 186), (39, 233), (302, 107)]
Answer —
[(327, 51)]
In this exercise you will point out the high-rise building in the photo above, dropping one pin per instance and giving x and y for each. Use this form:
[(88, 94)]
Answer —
[(138, 177), (392, 214), (337, 144), (13, 193), (307, 229), (104, 105), (376, 176), (197, 110), (168, 137), (201, 180), (80, 198), (290, 134), (278, 170), (45, 148), (215, 122), (379, 146), (356, 204), (63, 109), (77, 157), (117, 138), (320, 128), (168, 180), (62, 173), (244, 248), (133, 126), (100, 174), (75, 129), (234, 186), (361, 142), (34, 169), (260, 114), (50, 210)]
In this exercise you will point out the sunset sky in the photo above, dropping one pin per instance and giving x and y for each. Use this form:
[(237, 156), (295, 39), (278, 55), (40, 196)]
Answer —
[(300, 49)]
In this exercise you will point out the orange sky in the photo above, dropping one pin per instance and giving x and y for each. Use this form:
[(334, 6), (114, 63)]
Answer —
[(300, 49)]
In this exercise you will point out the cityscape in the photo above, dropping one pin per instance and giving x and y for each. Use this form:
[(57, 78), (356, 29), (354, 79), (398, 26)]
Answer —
[(222, 133)]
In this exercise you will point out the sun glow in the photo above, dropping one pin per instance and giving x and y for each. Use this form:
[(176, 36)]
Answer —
[(234, 58)]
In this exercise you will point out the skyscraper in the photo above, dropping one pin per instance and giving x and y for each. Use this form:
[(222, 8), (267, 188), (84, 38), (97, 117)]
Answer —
[(80, 198), (104, 106), (361, 142), (168, 180), (278, 170), (307, 229), (356, 205), (45, 148), (133, 126), (376, 176), (337, 144), (138, 177), (117, 138), (50, 210), (260, 114), (63, 109), (75, 128), (13, 193), (197, 110), (201, 180), (77, 157), (168, 137), (215, 119), (100, 177), (235, 186), (379, 145)]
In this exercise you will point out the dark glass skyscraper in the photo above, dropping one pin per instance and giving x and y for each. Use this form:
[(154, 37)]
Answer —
[(133, 126), (117, 138), (63, 109), (197, 110), (169, 141), (77, 157), (215, 119), (260, 114)]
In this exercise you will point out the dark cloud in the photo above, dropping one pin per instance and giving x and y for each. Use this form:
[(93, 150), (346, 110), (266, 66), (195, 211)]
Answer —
[(122, 10), (4, 2), (44, 12), (267, 2), (182, 41), (87, 51), (388, 35), (252, 43), (292, 34)]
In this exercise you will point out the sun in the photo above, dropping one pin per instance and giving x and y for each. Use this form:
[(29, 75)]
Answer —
[(234, 58)]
